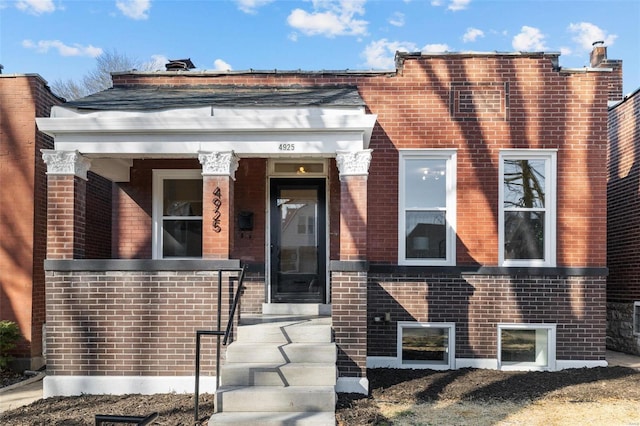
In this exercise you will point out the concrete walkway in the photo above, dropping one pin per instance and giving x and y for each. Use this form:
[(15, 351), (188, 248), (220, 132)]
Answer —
[(30, 390), (20, 394)]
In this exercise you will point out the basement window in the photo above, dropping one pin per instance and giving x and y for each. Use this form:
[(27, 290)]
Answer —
[(426, 345), (636, 318), (526, 346)]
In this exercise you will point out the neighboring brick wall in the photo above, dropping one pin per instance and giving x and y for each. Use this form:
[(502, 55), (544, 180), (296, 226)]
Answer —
[(623, 224), (23, 195), (130, 323), (477, 303), (623, 201)]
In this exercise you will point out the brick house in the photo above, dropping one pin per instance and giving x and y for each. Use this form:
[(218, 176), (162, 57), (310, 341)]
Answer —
[(23, 198), (623, 284), (448, 214)]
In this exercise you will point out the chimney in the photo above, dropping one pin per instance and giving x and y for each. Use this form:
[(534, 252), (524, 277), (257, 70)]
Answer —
[(598, 54), (179, 65), (598, 59)]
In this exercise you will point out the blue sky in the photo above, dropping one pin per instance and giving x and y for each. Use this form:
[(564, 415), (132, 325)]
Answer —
[(59, 39)]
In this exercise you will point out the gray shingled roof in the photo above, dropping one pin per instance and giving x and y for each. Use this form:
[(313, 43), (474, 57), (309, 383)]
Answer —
[(158, 97)]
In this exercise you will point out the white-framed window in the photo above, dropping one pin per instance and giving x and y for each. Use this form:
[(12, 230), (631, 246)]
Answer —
[(526, 346), (427, 207), (426, 345), (177, 214), (636, 318), (527, 204)]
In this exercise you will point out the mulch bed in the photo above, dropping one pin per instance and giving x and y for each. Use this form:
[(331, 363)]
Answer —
[(387, 385)]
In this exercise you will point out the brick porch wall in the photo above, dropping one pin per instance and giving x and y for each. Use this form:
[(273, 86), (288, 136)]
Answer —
[(130, 323), (477, 303)]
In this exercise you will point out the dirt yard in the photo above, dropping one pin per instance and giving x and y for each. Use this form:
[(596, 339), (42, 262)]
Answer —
[(404, 397)]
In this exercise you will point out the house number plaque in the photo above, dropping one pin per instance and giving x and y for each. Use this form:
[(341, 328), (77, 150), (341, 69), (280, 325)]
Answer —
[(217, 203)]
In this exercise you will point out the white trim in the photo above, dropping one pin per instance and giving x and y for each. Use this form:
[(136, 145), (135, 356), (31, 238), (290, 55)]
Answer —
[(550, 352), (159, 175), (450, 363), (122, 385), (185, 132), (382, 362), (352, 385), (481, 363), (450, 156), (550, 209), (567, 364)]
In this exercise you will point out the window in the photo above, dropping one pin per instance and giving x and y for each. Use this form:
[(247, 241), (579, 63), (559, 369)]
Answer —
[(177, 214), (527, 208), (426, 345), (636, 318), (531, 347), (427, 197)]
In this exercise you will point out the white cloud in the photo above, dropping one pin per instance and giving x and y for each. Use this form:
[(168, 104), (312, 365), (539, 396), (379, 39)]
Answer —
[(472, 34), (330, 18), (529, 39), (251, 6), (565, 51), (397, 19), (436, 3), (36, 7), (435, 48), (43, 46), (380, 54), (456, 5), (134, 9), (586, 33), (220, 65)]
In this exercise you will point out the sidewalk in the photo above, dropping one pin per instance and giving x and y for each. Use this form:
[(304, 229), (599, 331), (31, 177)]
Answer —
[(23, 393), (30, 390)]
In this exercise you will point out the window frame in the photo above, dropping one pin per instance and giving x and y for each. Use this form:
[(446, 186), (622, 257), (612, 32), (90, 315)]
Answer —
[(636, 318), (450, 156), (449, 365), (550, 208), (159, 176), (525, 365)]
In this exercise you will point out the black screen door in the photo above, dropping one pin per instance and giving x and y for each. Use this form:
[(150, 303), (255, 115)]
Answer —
[(298, 241)]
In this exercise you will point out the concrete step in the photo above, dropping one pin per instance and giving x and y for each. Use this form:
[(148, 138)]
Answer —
[(280, 353), (296, 309), (316, 330), (275, 399), (274, 419), (293, 374)]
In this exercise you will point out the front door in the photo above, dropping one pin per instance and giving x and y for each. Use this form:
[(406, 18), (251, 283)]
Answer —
[(298, 241)]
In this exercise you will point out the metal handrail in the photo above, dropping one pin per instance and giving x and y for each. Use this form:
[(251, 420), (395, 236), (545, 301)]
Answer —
[(218, 332)]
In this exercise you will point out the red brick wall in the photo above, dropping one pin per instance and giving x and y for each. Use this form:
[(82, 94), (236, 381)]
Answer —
[(478, 303), (539, 107), (23, 225), (98, 217), (130, 323), (132, 208), (217, 217), (623, 195)]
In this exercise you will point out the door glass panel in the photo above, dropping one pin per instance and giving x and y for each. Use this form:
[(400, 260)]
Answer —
[(299, 241)]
